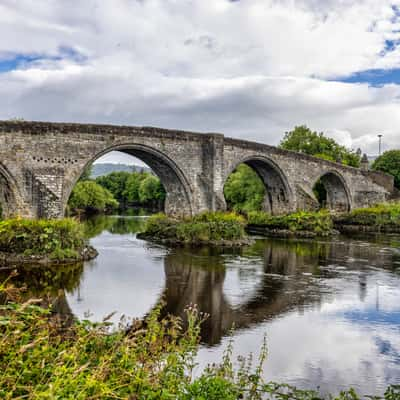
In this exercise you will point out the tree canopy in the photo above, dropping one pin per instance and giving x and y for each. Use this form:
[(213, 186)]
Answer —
[(303, 140), (389, 162), (89, 196)]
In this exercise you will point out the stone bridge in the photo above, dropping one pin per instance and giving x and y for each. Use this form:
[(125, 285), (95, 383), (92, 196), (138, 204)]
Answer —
[(41, 162)]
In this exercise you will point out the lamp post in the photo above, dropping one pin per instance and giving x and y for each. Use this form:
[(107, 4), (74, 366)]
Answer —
[(380, 143)]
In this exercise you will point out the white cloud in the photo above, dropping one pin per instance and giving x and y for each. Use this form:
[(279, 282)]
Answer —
[(249, 69)]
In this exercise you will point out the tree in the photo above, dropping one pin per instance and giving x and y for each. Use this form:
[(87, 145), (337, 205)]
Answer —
[(389, 162), (91, 197), (244, 190), (131, 192), (115, 183), (151, 190), (303, 140)]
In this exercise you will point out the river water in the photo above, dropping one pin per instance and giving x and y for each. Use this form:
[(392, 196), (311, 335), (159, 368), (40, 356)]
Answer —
[(330, 309)]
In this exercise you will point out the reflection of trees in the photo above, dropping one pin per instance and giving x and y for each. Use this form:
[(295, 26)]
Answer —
[(116, 225), (49, 284)]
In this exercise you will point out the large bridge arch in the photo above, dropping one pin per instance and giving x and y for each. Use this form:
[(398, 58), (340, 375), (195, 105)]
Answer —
[(338, 195), (279, 196), (179, 198)]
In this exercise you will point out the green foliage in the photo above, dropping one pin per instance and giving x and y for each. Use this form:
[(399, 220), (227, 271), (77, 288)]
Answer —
[(318, 222), (115, 183), (91, 197), (203, 228), (244, 190), (57, 239), (133, 187), (389, 162), (42, 358), (151, 190), (380, 215), (303, 140)]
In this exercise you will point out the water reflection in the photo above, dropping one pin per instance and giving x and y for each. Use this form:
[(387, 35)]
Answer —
[(331, 309)]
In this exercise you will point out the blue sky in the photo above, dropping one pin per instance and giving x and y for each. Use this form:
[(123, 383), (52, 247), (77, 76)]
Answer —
[(249, 69)]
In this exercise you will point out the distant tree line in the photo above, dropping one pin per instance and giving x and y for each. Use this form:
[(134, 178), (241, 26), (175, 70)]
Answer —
[(116, 190)]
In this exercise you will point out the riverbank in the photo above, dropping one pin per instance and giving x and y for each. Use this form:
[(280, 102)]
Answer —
[(43, 241), (42, 357), (296, 225), (383, 217), (210, 228)]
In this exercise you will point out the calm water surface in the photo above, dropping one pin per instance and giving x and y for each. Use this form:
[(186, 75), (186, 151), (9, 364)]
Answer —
[(330, 308)]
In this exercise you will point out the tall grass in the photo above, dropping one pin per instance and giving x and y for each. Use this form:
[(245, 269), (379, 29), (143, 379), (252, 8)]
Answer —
[(202, 228), (317, 222), (377, 216)]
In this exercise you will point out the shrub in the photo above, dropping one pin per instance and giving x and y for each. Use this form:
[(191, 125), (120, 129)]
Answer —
[(54, 238), (319, 222), (378, 215), (205, 227), (91, 197)]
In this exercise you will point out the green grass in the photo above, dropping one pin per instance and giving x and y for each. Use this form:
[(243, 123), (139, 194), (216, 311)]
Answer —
[(380, 215), (57, 239), (317, 222), (43, 358), (203, 228)]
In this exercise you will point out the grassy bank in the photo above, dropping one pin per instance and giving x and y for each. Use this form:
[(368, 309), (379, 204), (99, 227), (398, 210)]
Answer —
[(24, 239), (42, 358), (381, 217), (206, 228), (302, 223)]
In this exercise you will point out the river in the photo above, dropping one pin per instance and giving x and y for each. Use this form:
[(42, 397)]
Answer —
[(330, 309)]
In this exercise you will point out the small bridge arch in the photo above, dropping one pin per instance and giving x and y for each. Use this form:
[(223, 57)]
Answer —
[(338, 195), (279, 196)]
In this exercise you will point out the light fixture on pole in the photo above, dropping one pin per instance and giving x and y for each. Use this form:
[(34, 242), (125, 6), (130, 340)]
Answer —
[(380, 143)]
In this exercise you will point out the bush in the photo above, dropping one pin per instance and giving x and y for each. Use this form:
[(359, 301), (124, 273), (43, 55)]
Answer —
[(91, 197), (202, 228), (318, 222), (54, 238), (379, 215)]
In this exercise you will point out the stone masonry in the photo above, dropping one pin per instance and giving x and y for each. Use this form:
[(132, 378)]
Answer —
[(40, 163)]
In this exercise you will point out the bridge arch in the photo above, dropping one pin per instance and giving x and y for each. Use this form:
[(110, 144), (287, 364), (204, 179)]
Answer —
[(179, 198), (9, 198), (337, 193), (279, 196)]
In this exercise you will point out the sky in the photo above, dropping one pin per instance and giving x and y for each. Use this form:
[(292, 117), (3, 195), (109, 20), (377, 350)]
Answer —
[(250, 69)]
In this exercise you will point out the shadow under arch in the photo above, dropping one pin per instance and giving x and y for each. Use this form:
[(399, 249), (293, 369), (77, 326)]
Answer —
[(8, 193), (179, 198), (279, 196), (337, 193)]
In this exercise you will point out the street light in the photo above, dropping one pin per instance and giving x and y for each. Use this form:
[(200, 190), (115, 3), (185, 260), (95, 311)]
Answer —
[(380, 143)]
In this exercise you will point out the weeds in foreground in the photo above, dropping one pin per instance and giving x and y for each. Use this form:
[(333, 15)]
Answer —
[(42, 358)]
